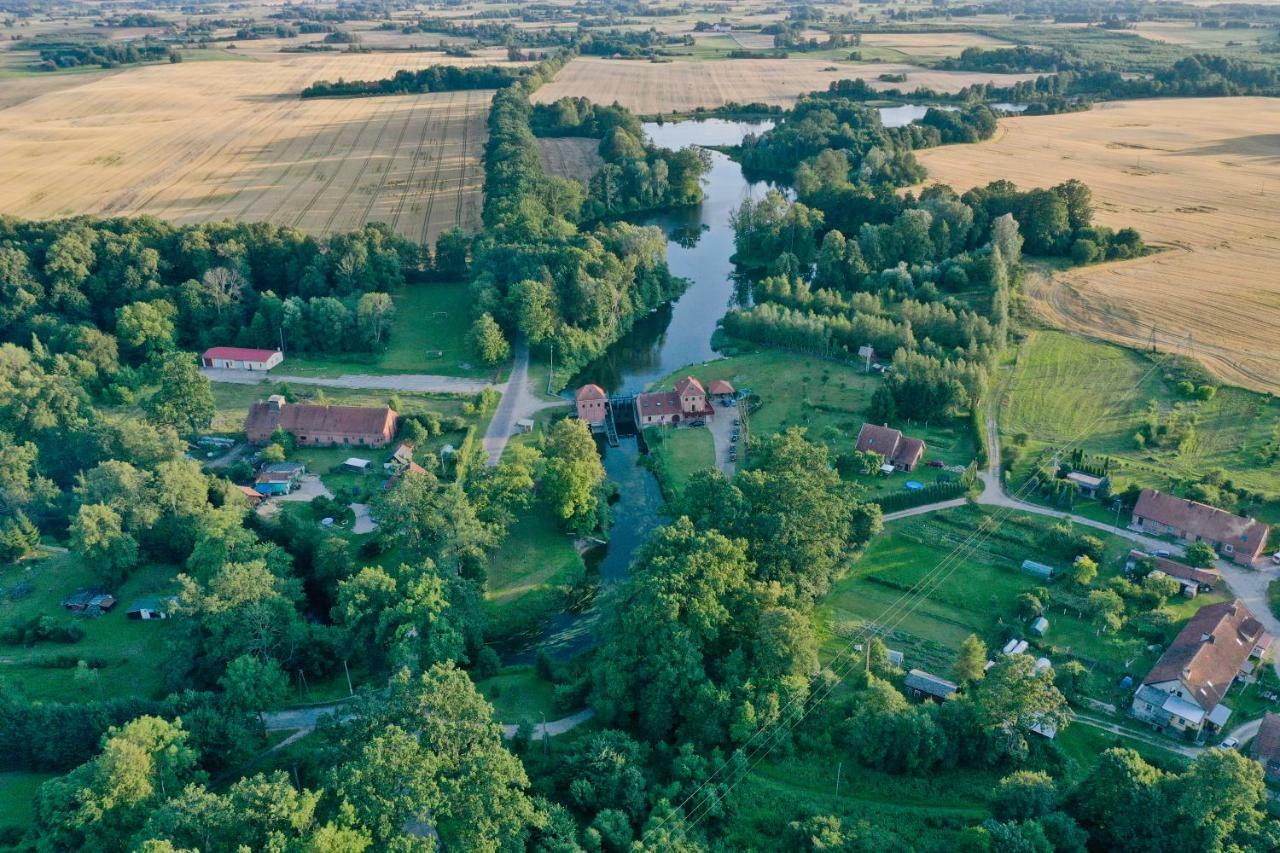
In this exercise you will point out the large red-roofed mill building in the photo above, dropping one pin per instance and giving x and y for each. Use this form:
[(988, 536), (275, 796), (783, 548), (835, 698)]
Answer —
[(1238, 539), (321, 426), (241, 358)]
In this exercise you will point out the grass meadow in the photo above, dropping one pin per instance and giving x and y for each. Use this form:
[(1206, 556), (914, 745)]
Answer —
[(975, 592), (125, 656), (429, 335), (1066, 389)]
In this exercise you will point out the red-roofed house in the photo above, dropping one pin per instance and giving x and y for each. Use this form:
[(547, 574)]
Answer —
[(241, 358), (1238, 539), (1193, 580), (687, 402), (1184, 689), (593, 404), (321, 426), (900, 451), (1266, 746)]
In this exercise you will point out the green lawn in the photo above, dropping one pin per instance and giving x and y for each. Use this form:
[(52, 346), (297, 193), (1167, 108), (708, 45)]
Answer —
[(430, 319), (933, 806), (16, 792), (518, 695), (976, 594), (1065, 389), (129, 655), (675, 454), (1082, 745), (530, 574), (830, 400)]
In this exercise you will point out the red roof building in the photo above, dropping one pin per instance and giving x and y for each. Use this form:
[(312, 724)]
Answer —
[(1238, 539), (720, 388), (687, 402), (241, 358), (900, 451), (592, 403), (321, 426)]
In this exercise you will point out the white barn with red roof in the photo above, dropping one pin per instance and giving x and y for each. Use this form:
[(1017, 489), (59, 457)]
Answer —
[(241, 358)]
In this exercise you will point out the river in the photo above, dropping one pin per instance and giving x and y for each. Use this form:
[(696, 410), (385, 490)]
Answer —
[(699, 245)]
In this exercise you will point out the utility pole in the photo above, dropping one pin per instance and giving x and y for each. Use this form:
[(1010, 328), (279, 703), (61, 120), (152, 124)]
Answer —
[(839, 767), (350, 690)]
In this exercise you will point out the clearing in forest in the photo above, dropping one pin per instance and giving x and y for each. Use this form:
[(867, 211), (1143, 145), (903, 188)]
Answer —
[(1201, 180), (232, 140), (649, 88), (575, 157)]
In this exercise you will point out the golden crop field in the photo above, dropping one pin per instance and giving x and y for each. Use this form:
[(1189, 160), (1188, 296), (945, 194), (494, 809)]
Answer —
[(663, 87), (574, 157), (201, 141), (1200, 179), (940, 44)]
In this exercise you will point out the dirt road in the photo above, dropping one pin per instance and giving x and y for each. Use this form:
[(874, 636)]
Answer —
[(420, 382)]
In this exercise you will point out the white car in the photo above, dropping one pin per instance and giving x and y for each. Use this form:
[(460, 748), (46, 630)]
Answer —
[(1229, 743), (1275, 558)]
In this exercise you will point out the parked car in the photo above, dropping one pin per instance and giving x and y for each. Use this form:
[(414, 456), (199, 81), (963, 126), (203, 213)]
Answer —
[(1162, 553), (697, 423), (1275, 558), (1229, 743)]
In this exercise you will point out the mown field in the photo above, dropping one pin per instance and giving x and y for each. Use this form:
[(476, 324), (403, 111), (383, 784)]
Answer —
[(649, 88), (1064, 390), (203, 141), (1199, 179), (428, 335), (570, 157)]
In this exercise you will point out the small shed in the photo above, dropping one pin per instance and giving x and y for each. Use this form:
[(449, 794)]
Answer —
[(720, 388), (89, 602), (524, 425), (1088, 484), (896, 657), (1039, 570), (924, 685), (253, 496), (355, 463), (1014, 647), (153, 607), (1040, 626)]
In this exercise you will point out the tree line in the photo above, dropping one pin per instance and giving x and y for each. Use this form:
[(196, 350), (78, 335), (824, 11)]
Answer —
[(441, 78), (109, 293), (536, 272)]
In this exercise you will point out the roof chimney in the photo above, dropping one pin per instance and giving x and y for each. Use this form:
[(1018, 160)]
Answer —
[(1206, 638), (276, 401)]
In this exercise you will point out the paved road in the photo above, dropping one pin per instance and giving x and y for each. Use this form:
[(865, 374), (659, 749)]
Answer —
[(303, 720), (519, 401), (421, 382), (553, 728), (721, 427)]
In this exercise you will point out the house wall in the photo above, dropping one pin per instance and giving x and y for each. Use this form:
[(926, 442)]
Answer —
[(331, 439), (591, 411)]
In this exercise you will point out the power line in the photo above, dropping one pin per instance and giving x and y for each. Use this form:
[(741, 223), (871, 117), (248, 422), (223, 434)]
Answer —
[(911, 599)]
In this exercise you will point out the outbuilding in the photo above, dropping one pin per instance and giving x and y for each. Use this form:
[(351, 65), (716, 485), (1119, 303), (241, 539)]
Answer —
[(355, 463), (241, 358), (924, 685), (1040, 626), (153, 607), (1039, 570)]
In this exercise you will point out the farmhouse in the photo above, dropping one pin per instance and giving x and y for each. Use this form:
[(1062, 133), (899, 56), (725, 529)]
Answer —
[(1266, 747), (241, 358), (1184, 689), (592, 404), (923, 685), (1193, 580), (319, 426), (900, 451), (1238, 539), (688, 402)]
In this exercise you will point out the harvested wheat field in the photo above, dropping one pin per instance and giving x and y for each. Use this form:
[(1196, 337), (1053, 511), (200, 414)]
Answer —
[(649, 88), (212, 140), (931, 44), (1201, 180), (574, 157)]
